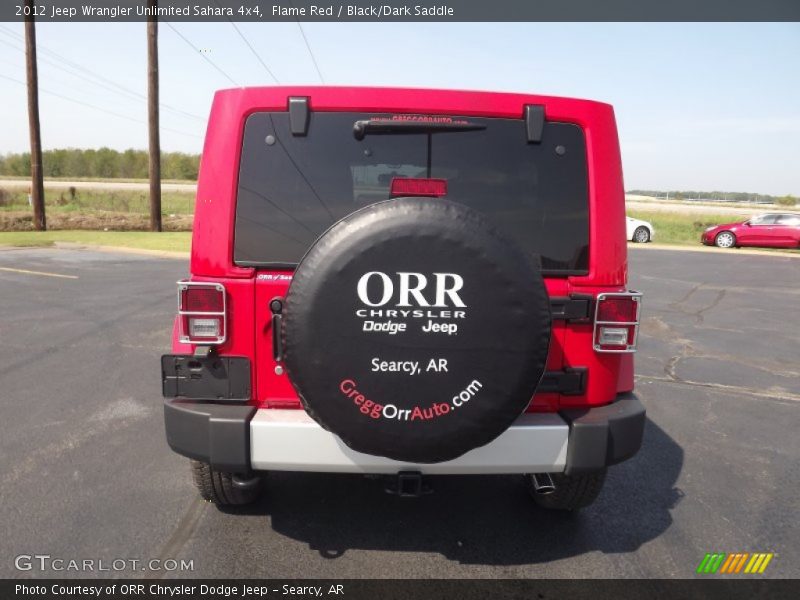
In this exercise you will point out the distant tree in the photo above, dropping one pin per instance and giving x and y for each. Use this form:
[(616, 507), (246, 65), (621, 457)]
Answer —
[(106, 163), (75, 163), (17, 165), (787, 200), (133, 164), (103, 162), (177, 165)]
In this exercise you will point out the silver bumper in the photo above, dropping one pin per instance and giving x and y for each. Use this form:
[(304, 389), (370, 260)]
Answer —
[(290, 440)]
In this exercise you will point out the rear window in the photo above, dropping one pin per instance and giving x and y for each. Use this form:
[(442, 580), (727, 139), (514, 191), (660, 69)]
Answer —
[(293, 188)]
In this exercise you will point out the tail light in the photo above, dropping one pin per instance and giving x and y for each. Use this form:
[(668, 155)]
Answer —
[(616, 322), (201, 309), (407, 186)]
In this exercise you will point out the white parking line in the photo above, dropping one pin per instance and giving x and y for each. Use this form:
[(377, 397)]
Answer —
[(26, 272)]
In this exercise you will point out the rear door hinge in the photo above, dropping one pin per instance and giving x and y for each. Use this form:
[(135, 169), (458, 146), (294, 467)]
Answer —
[(575, 308), (569, 382)]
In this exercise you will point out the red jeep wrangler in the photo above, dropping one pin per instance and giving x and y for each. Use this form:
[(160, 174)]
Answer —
[(406, 282)]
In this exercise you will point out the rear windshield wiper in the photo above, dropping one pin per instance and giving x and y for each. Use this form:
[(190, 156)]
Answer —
[(378, 127)]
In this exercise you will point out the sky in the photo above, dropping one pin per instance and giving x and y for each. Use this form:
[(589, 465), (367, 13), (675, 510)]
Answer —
[(705, 106)]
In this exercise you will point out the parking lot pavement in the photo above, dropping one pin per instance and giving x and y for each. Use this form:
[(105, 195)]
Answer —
[(87, 473)]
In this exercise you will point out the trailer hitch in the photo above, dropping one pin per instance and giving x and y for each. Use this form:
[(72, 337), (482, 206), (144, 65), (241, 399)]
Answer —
[(408, 484)]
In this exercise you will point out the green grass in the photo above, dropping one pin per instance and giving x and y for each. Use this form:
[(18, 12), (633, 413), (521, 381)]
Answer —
[(104, 179), (671, 228), (170, 241), (128, 201), (675, 228)]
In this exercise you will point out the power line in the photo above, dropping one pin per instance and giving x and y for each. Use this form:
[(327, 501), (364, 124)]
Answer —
[(75, 74), (249, 45), (121, 90), (208, 60), (94, 75), (313, 59), (92, 106), (253, 50), (308, 46)]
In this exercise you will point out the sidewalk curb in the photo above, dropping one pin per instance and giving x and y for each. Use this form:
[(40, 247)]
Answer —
[(186, 255)]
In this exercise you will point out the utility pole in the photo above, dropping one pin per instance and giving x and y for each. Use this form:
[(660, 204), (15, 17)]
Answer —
[(152, 118), (37, 182)]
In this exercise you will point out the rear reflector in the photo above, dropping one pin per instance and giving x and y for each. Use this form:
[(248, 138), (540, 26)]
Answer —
[(201, 298), (616, 322), (201, 311), (618, 309), (404, 186)]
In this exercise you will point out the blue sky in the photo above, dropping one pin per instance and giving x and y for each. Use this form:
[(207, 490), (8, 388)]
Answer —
[(708, 106)]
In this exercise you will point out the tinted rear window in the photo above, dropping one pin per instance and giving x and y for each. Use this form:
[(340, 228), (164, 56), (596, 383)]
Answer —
[(292, 188)]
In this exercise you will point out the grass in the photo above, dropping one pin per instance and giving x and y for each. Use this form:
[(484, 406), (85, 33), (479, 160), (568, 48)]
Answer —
[(178, 241), (83, 200), (671, 228), (109, 179), (675, 228)]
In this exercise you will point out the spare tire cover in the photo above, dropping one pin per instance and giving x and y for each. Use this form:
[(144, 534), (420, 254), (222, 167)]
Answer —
[(416, 331)]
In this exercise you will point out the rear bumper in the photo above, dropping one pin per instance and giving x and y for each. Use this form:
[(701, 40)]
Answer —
[(240, 439), (292, 441)]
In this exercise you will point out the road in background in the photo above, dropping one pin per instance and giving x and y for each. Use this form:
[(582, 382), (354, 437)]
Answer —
[(100, 185), (697, 208), (87, 473), (641, 203)]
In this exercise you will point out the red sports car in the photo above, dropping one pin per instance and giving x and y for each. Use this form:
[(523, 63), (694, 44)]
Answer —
[(772, 230)]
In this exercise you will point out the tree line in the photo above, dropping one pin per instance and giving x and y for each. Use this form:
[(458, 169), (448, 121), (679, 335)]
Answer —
[(103, 162), (716, 195)]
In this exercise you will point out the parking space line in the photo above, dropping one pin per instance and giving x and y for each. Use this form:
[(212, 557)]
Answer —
[(43, 273)]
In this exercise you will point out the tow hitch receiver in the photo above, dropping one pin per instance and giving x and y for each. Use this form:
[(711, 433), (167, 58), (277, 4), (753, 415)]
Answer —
[(408, 484)]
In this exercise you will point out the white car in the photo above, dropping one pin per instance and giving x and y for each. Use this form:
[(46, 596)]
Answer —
[(638, 230)]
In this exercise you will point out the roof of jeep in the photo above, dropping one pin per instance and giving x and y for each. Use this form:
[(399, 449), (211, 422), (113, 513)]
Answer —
[(389, 99)]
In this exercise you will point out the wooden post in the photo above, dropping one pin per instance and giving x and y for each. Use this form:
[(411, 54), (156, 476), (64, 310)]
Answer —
[(37, 181), (152, 119)]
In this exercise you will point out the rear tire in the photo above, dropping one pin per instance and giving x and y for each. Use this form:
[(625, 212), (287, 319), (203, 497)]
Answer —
[(641, 235), (221, 488), (725, 239), (572, 492)]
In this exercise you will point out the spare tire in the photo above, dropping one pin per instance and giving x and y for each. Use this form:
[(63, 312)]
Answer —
[(416, 331)]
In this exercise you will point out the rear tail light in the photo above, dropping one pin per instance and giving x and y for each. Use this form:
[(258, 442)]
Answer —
[(616, 322), (201, 311), (406, 186)]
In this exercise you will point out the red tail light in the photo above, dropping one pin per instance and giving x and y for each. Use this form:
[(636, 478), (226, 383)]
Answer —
[(406, 186), (616, 322), (201, 308)]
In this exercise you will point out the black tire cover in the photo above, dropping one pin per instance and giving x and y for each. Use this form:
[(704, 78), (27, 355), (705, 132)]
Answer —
[(419, 384)]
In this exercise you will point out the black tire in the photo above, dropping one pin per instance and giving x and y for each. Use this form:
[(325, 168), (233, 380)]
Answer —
[(219, 487), (572, 492), (721, 240), (641, 235), (491, 340)]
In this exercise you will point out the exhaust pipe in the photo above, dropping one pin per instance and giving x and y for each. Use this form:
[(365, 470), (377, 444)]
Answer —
[(543, 483)]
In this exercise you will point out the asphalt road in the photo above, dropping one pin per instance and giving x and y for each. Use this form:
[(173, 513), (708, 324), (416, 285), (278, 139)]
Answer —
[(692, 208), (101, 185), (86, 473)]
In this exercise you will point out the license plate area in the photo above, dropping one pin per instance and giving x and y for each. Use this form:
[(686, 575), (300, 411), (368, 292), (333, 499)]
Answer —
[(206, 377)]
